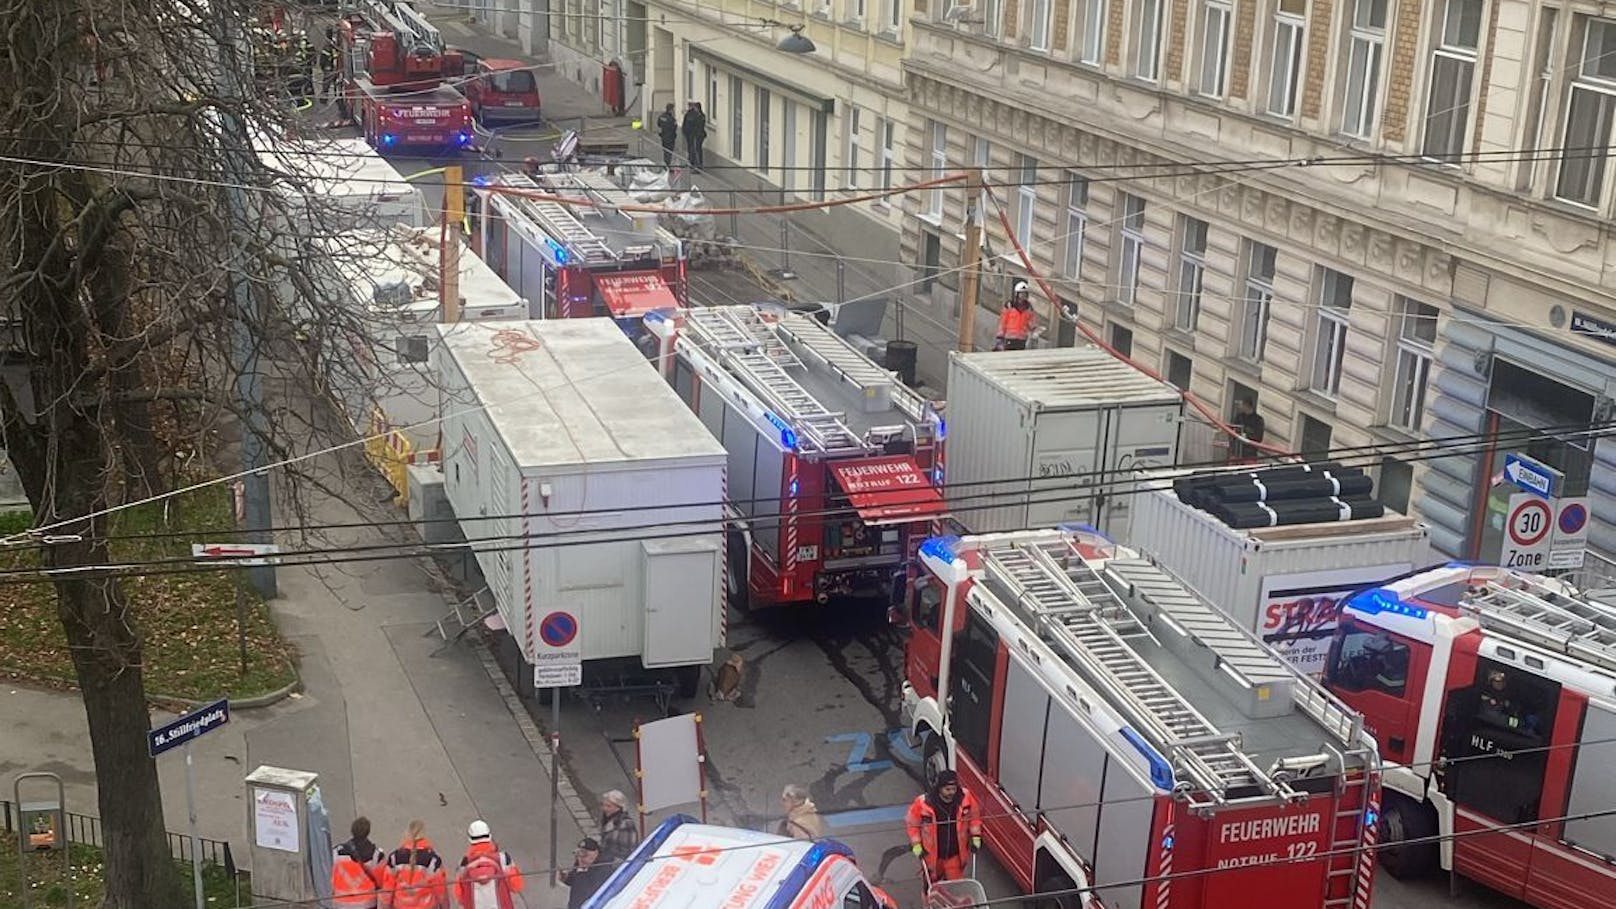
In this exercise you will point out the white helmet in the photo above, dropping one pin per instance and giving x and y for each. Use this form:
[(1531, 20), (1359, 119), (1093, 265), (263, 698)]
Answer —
[(1019, 288), (477, 832)]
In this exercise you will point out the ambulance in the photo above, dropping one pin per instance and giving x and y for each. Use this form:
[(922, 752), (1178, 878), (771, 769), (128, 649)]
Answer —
[(686, 863)]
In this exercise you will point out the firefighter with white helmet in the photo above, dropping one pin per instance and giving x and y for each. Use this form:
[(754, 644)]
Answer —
[(1016, 320)]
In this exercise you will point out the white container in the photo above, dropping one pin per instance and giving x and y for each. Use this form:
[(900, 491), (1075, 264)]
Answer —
[(561, 432), (1284, 583), (1075, 414), (349, 185)]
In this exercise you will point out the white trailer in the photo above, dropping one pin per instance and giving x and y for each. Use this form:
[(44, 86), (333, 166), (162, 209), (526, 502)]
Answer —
[(1287, 583), (348, 183), (587, 488), (1038, 438)]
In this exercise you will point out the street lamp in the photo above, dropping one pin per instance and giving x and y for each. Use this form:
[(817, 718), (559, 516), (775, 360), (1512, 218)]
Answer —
[(796, 42)]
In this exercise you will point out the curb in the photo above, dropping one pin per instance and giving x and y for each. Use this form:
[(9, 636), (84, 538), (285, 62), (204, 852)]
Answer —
[(266, 699), (536, 739)]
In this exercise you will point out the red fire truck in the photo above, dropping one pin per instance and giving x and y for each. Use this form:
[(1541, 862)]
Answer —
[(394, 65), (574, 261), (833, 463), (1493, 695), (1130, 745)]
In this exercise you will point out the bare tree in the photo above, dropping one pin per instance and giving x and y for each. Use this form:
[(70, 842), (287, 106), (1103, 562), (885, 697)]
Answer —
[(119, 261)]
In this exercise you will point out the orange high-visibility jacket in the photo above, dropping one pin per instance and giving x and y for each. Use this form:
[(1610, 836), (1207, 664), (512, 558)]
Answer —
[(360, 880), (922, 824), (1015, 324), (418, 878)]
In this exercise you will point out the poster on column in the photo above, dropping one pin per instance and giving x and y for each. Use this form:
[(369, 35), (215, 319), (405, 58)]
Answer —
[(275, 819)]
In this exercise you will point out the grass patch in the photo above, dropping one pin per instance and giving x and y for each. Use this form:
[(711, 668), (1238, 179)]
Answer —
[(49, 883), (188, 620)]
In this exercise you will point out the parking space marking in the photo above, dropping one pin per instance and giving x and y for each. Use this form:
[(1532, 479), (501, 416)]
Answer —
[(861, 749), (865, 817)]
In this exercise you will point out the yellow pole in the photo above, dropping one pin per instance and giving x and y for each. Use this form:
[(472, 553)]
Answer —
[(454, 212), (971, 274)]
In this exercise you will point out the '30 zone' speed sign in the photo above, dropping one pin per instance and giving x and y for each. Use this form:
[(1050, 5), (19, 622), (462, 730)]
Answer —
[(1527, 532)]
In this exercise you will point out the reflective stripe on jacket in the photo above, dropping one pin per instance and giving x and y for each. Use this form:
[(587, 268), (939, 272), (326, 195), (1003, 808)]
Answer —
[(419, 883), (922, 824), (495, 892), (359, 878)]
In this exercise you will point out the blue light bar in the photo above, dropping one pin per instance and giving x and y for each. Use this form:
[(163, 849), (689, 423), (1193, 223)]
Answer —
[(791, 886), (556, 250), (463, 138), (788, 436), (481, 180), (940, 548), (1161, 772), (942, 429), (1377, 600)]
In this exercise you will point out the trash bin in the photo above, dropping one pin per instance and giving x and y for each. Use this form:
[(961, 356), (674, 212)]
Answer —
[(902, 358)]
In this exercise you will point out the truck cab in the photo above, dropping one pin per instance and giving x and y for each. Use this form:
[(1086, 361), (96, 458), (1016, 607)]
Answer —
[(501, 91), (685, 863)]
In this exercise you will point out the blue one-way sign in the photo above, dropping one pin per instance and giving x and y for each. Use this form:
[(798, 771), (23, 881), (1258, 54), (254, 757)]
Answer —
[(193, 725), (1530, 475)]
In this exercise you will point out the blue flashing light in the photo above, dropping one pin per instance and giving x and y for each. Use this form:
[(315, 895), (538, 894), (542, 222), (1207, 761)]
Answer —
[(1161, 772), (463, 139), (389, 139), (942, 429), (940, 548), (1371, 817), (792, 884), (788, 436), (481, 180), (792, 489), (558, 251), (1084, 528), (1167, 841), (1377, 600), (937, 475), (1460, 563)]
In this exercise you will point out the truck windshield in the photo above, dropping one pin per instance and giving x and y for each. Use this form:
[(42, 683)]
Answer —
[(512, 82)]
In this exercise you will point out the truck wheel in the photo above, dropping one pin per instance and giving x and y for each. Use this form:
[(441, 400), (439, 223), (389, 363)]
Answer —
[(1054, 892), (1401, 820), (933, 757), (687, 681)]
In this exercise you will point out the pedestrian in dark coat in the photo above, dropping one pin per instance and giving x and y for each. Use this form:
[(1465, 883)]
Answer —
[(695, 129), (667, 125), (587, 873)]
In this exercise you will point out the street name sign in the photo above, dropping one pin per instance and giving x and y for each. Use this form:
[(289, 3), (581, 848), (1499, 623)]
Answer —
[(188, 728)]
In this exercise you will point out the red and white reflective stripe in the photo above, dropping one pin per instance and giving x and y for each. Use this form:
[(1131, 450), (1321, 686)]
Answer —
[(424, 457), (788, 557), (724, 556), (1164, 870), (527, 573), (1366, 857)]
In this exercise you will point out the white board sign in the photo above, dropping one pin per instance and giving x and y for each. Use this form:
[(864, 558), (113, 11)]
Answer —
[(670, 763), (1528, 532), (275, 819)]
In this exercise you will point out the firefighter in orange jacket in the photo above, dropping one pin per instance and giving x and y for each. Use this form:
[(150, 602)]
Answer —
[(418, 878), (359, 876), (1015, 321), (943, 825), (488, 877)]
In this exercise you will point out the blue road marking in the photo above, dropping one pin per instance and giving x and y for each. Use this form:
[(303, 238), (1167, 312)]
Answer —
[(899, 740), (864, 817), (861, 749)]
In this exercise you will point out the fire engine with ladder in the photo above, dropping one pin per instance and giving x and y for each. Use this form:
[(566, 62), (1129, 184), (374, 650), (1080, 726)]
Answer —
[(833, 463), (394, 66), (1492, 693), (577, 260), (1130, 745)]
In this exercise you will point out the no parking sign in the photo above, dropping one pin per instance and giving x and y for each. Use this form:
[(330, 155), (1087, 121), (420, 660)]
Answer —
[(1570, 533)]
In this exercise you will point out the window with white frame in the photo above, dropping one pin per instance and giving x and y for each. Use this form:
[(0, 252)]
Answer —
[(1041, 13), (1366, 44), (1541, 100), (1091, 31), (1077, 222), (992, 16), (690, 79), (857, 10), (712, 93), (1330, 331), (1452, 82), (894, 16), (1285, 67), (1257, 300), (1147, 40), (937, 134), (1026, 198), (981, 152), (1130, 246), (1416, 349), (888, 151), (1191, 271), (850, 174), (1213, 74), (1589, 112)]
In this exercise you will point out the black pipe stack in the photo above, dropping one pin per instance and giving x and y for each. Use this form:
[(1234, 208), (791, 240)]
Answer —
[(1315, 493)]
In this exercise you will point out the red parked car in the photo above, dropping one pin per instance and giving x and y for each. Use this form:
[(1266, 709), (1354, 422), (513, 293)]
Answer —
[(501, 91)]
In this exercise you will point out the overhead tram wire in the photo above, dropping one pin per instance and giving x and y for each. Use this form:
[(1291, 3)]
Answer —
[(521, 542), (1369, 453)]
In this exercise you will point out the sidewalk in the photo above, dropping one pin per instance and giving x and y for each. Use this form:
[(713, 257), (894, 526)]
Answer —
[(811, 257)]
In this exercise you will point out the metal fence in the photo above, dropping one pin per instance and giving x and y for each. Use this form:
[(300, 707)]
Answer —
[(85, 830)]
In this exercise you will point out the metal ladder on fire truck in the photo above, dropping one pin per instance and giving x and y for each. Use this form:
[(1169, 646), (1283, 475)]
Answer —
[(405, 21), (1556, 621), (738, 336), (557, 220)]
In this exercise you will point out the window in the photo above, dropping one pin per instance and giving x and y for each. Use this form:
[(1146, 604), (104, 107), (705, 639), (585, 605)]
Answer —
[(1040, 24), (413, 349), (1214, 67), (1091, 31), (976, 658), (690, 80), (1416, 343), (1147, 40), (1180, 370), (736, 104), (1589, 113), (992, 16), (1077, 203), (860, 897), (856, 10), (1026, 198), (1365, 45), (981, 152), (765, 127), (1258, 298), (1285, 74), (931, 260), (1506, 711), (894, 15), (1130, 243), (1122, 339), (888, 131), (1396, 484), (788, 149), (1330, 342), (1541, 98), (712, 93), (1369, 661), (939, 167), (1315, 438), (1191, 269), (1453, 65), (851, 177)]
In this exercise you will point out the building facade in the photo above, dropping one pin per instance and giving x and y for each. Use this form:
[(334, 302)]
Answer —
[(1379, 220)]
